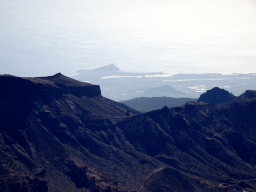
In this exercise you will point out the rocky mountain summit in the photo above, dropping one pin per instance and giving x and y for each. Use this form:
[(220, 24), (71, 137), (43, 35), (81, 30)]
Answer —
[(216, 96), (53, 86), (249, 94), (59, 134)]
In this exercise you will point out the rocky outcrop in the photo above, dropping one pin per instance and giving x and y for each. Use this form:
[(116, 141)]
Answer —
[(216, 96), (249, 94)]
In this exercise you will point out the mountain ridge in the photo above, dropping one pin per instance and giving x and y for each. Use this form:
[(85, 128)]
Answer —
[(74, 142), (56, 85)]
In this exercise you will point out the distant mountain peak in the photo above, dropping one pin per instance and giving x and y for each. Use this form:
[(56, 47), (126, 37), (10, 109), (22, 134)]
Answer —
[(248, 94), (112, 65), (109, 68), (165, 90), (216, 95), (57, 75)]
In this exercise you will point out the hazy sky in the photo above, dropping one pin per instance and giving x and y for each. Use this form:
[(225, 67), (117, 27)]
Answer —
[(43, 37)]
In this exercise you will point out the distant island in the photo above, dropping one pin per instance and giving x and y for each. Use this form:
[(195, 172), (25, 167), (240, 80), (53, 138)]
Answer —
[(119, 86)]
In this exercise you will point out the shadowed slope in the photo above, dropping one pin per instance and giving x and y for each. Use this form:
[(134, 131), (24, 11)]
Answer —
[(50, 131), (213, 143), (54, 138)]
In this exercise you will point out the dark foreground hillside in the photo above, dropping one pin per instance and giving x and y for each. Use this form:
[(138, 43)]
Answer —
[(146, 104), (58, 134), (50, 131)]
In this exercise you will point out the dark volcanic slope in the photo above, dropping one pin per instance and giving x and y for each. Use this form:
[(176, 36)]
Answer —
[(55, 136), (49, 129), (204, 143), (53, 86)]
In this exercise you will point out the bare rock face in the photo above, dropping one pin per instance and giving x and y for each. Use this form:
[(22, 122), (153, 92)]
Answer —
[(216, 96)]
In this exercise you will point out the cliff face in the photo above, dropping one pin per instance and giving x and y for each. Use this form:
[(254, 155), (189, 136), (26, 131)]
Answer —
[(49, 134), (46, 87)]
